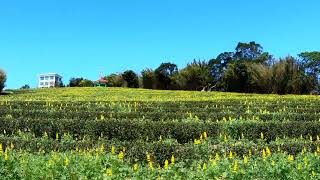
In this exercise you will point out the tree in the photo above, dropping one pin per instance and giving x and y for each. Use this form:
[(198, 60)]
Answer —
[(219, 65), (3, 79), (131, 79), (74, 82), (260, 78), (195, 76), (311, 62), (164, 74), (86, 83), (236, 78), (251, 51), (26, 86), (289, 77), (148, 79), (115, 80)]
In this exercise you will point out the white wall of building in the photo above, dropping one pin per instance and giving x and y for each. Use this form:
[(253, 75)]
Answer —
[(49, 80)]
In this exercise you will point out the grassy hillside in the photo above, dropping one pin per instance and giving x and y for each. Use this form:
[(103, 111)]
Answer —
[(130, 133)]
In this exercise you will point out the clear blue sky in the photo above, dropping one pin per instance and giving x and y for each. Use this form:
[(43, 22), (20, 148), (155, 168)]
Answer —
[(85, 37)]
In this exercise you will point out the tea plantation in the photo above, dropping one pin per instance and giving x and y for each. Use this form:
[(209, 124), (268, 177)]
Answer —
[(120, 133)]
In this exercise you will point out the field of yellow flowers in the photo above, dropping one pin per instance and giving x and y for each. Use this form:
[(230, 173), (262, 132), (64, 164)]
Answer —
[(119, 133)]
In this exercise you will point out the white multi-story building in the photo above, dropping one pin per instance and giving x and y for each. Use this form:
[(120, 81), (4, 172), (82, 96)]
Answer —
[(49, 80)]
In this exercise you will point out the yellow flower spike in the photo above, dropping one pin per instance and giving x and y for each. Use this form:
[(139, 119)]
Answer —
[(261, 136), (113, 150), (268, 151), (135, 167), (66, 162), (150, 165), (235, 166), (172, 159), (318, 138), (109, 172), (102, 148), (57, 136), (205, 135), (121, 155), (225, 138), (305, 160), (1, 149), (245, 160), (166, 164), (160, 138), (6, 155), (204, 167), (264, 155), (197, 142), (148, 157), (310, 138), (250, 153), (315, 153), (217, 158), (201, 137), (299, 167), (230, 155), (273, 163), (290, 158), (318, 149)]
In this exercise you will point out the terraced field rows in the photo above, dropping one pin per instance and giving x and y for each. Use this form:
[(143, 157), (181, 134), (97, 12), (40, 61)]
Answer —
[(200, 134)]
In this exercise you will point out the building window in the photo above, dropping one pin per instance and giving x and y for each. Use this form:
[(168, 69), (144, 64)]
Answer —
[(41, 78), (46, 83), (47, 78), (51, 77), (41, 83)]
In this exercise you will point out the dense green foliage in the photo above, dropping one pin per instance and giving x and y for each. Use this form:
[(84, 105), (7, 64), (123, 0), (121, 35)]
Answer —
[(118, 133), (247, 69)]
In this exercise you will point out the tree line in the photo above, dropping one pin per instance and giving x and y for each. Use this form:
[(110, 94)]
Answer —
[(247, 69)]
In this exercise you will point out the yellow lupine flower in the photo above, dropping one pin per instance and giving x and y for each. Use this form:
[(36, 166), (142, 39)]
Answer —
[(102, 148), (245, 159), (166, 164), (268, 151), (273, 163), (213, 163), (196, 141), (121, 155), (135, 167), (172, 159), (148, 157), (66, 161), (109, 172), (230, 155), (217, 158), (299, 167), (205, 135), (264, 155), (261, 135), (113, 150), (225, 138), (290, 158), (1, 149), (150, 165), (204, 167), (314, 173), (235, 166), (6, 155)]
